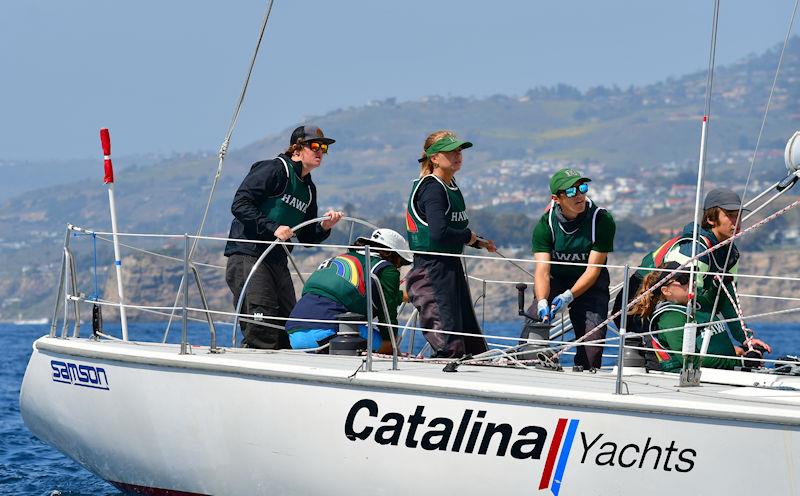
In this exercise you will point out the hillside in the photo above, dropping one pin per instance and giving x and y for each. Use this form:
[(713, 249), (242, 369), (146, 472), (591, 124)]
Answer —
[(640, 144)]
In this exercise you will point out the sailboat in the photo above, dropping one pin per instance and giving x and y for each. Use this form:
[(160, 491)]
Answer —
[(177, 419), (40, 321)]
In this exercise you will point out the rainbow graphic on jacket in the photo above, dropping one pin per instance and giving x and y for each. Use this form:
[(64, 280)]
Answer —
[(565, 447), (661, 252), (348, 267)]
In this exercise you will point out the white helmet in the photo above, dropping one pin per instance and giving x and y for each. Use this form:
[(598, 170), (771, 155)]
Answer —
[(387, 238)]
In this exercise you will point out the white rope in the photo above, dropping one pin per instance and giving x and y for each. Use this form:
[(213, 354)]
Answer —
[(565, 346), (161, 255), (551, 344), (477, 257), (735, 305), (237, 109), (767, 297)]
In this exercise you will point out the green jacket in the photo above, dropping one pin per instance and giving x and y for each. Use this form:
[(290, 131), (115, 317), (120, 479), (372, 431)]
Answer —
[(290, 206), (341, 279), (594, 232), (679, 249), (419, 235), (672, 316)]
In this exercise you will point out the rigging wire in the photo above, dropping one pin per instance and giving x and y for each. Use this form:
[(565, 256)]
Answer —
[(96, 294), (703, 140), (758, 141), (712, 57), (690, 263), (223, 149)]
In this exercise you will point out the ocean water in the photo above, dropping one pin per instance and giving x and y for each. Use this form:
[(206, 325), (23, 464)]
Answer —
[(30, 467)]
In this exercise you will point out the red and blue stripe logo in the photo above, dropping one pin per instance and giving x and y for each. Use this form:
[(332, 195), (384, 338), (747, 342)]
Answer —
[(549, 479)]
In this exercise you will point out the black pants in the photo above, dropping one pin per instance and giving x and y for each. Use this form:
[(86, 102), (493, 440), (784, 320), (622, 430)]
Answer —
[(438, 288), (269, 293), (585, 313)]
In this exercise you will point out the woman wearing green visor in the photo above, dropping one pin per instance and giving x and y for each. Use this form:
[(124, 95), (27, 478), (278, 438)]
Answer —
[(436, 221)]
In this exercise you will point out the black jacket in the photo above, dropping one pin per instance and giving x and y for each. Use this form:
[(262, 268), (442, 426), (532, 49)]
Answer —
[(268, 179)]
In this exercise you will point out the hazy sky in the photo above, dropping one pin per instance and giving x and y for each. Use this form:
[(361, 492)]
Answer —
[(164, 75)]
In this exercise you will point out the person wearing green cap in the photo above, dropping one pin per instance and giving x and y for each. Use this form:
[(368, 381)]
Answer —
[(578, 233), (436, 221)]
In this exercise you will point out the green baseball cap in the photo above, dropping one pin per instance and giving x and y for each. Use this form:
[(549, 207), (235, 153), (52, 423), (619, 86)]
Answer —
[(446, 144), (566, 178)]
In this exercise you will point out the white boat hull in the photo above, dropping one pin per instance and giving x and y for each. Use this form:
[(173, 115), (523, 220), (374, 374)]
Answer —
[(160, 426)]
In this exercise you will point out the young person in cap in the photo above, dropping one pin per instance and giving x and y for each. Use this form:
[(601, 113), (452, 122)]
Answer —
[(436, 221), (338, 286), (274, 196), (574, 230), (665, 309), (720, 211)]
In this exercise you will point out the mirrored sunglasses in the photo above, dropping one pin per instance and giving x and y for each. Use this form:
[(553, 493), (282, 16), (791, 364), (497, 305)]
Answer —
[(315, 147), (574, 190)]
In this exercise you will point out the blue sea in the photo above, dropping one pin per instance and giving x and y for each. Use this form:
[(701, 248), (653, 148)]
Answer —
[(30, 467)]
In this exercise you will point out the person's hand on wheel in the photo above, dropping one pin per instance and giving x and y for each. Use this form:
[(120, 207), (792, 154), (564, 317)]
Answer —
[(283, 233), (333, 217)]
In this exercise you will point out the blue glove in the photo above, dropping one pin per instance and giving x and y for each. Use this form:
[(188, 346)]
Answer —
[(376, 336), (542, 310), (561, 301)]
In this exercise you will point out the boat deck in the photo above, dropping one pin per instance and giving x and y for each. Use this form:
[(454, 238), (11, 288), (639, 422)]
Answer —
[(729, 394)]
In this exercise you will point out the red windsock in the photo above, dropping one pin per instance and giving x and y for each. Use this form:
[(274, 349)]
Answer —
[(105, 140)]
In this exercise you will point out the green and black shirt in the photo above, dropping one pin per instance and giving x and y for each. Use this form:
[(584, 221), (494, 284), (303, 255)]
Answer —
[(273, 194), (593, 231), (673, 316), (679, 249), (436, 216)]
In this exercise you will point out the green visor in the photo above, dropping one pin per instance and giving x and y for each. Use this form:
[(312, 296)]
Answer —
[(446, 144)]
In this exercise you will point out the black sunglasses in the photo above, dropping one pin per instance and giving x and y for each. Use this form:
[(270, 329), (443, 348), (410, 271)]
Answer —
[(681, 278)]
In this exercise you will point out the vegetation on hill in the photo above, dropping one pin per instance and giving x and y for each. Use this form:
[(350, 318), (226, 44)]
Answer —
[(636, 133)]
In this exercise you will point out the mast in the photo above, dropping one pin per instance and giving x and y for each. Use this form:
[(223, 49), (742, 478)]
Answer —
[(105, 140), (690, 376)]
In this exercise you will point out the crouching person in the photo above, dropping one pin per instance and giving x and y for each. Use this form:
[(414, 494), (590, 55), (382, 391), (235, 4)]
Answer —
[(665, 311), (339, 286)]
